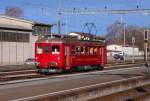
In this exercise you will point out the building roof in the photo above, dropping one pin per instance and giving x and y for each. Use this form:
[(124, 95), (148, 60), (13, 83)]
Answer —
[(13, 27), (17, 19), (42, 24), (25, 20), (19, 27)]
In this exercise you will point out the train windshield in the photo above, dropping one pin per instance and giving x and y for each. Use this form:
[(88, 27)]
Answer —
[(47, 49), (39, 49), (55, 49)]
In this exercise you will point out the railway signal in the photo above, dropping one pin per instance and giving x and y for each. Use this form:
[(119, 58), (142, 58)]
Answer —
[(145, 44), (145, 35)]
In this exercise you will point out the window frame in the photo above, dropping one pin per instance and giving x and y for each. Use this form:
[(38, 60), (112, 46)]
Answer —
[(58, 50), (39, 46)]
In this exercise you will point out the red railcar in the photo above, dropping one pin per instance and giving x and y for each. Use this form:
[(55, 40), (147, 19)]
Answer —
[(57, 54)]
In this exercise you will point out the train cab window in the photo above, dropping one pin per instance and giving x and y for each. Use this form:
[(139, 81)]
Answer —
[(39, 49), (91, 51), (47, 49), (55, 49)]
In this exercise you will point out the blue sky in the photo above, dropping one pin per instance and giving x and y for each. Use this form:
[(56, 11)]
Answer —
[(45, 11)]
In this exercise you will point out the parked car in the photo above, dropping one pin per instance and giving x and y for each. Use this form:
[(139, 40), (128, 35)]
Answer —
[(119, 56), (29, 61)]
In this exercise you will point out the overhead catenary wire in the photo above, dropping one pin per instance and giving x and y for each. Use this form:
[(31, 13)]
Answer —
[(103, 11)]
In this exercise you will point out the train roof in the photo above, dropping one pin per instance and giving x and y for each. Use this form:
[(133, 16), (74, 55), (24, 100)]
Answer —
[(89, 35), (70, 41)]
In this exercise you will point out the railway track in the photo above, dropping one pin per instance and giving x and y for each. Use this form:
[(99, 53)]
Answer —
[(18, 75), (96, 85), (31, 74)]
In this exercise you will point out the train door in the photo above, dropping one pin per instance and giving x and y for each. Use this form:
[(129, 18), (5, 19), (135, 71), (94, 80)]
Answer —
[(55, 53), (105, 55), (101, 55), (47, 53), (67, 57), (102, 51)]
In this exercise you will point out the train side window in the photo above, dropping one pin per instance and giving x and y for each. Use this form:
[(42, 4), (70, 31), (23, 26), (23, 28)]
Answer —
[(82, 50), (77, 51), (47, 49), (55, 49), (95, 51), (86, 50), (100, 51), (73, 51), (91, 51), (39, 49)]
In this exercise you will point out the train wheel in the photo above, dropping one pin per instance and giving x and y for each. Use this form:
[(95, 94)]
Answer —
[(100, 67), (37, 70), (67, 71)]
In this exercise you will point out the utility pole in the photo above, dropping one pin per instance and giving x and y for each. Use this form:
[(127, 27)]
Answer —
[(59, 29), (124, 37), (59, 16), (133, 41), (124, 40)]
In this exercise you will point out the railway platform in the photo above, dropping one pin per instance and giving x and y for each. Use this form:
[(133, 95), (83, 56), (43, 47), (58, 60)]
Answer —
[(54, 88)]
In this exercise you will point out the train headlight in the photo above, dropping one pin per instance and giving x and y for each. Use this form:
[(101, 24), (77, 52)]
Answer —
[(37, 63), (36, 58), (53, 64)]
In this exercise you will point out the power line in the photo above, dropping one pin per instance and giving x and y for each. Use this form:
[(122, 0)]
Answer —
[(103, 11)]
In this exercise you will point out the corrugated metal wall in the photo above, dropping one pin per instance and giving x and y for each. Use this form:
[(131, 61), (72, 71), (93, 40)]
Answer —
[(15, 52)]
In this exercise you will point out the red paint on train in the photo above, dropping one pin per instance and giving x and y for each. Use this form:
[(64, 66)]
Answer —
[(67, 54)]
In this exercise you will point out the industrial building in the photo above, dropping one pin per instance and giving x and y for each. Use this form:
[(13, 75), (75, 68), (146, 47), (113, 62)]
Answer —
[(116, 49), (17, 37)]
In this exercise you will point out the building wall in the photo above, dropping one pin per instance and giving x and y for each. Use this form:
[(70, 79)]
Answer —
[(131, 51), (115, 49), (15, 52), (33, 40)]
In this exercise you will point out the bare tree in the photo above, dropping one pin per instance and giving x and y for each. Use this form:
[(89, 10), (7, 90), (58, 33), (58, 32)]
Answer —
[(14, 12), (115, 35)]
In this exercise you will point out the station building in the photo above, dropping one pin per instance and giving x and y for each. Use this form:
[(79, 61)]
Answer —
[(17, 38)]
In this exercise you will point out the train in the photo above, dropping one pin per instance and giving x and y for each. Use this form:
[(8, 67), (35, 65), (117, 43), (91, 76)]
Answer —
[(59, 53)]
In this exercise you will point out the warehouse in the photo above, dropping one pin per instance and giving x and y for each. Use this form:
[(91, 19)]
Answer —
[(17, 39)]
